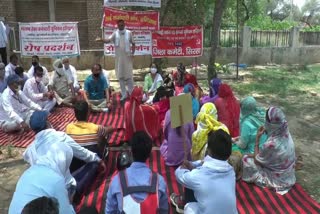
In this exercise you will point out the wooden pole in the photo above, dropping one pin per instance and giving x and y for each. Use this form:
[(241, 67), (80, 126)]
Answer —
[(185, 148)]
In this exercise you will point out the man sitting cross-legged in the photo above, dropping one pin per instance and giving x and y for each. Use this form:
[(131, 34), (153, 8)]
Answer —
[(15, 108), (96, 90), (86, 134), (62, 85), (36, 91), (210, 184), (137, 189), (44, 133)]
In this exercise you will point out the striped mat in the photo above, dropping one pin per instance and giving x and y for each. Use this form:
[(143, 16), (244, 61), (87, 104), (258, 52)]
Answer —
[(61, 117), (250, 198)]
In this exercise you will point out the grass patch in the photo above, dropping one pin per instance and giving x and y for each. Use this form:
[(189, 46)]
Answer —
[(279, 82)]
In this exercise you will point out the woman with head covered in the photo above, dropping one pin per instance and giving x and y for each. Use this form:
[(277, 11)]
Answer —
[(273, 164)]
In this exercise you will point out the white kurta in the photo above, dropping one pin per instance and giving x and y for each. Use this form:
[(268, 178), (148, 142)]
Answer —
[(123, 57)]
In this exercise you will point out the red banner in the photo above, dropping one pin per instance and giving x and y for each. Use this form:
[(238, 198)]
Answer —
[(134, 20), (184, 41)]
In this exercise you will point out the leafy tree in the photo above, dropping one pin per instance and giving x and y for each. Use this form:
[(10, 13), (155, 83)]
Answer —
[(311, 12)]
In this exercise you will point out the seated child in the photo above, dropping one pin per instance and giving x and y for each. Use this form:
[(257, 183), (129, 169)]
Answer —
[(212, 180)]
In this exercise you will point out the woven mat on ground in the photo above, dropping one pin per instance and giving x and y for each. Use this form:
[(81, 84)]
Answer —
[(250, 198), (61, 117)]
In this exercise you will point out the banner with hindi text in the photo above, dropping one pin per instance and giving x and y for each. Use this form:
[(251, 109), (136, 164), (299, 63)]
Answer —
[(142, 3), (142, 40), (134, 20), (184, 41), (49, 39)]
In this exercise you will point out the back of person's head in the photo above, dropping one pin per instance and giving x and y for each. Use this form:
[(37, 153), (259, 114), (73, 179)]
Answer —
[(219, 145), (42, 205), (141, 145), (81, 110), (19, 70), (13, 57), (35, 57), (38, 68), (38, 121)]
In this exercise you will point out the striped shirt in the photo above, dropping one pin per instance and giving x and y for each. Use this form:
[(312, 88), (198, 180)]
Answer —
[(85, 133)]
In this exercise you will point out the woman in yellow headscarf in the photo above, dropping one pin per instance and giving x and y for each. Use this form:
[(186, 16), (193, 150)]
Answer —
[(207, 122)]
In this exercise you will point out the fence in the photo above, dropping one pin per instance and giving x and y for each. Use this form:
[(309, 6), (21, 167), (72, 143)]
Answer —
[(262, 38), (270, 38), (309, 38), (227, 38)]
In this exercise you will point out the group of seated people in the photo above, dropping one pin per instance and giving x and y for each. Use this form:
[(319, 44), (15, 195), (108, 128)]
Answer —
[(23, 93), (227, 141)]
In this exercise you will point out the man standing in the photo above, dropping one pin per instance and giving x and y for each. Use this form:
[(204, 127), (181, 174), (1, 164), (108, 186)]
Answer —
[(122, 38), (3, 41), (35, 63), (35, 90), (15, 108), (96, 90)]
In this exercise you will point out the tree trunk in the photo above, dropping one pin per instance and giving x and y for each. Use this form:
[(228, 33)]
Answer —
[(163, 12), (217, 17)]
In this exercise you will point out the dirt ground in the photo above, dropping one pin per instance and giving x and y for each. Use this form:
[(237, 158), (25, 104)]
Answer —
[(304, 123)]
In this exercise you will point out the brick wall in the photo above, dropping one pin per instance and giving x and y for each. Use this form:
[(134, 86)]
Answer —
[(74, 11), (94, 12), (87, 12), (8, 10)]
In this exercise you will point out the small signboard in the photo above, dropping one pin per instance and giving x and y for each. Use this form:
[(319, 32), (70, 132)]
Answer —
[(181, 110)]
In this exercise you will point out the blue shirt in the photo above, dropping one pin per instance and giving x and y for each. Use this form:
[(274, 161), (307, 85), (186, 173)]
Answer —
[(138, 174), (95, 87), (38, 181), (213, 184)]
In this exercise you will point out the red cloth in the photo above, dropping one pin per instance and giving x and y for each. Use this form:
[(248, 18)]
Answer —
[(140, 117), (162, 107), (228, 109), (188, 78)]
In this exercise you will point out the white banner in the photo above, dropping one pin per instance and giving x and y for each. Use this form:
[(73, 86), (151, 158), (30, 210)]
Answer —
[(142, 40), (142, 3), (49, 39)]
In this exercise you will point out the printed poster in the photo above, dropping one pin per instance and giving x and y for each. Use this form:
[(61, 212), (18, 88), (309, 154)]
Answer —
[(142, 3), (184, 41), (49, 39), (134, 20), (142, 40)]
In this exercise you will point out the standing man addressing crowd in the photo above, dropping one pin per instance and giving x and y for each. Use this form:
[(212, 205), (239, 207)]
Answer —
[(122, 38), (4, 34)]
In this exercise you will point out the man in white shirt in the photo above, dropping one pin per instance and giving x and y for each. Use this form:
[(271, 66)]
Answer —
[(72, 72), (36, 91), (122, 38), (211, 183), (35, 63), (3, 41), (15, 108), (10, 68)]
